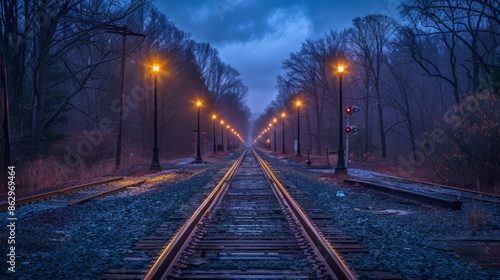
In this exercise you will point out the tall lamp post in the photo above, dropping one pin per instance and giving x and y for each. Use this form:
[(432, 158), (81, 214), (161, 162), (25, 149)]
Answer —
[(232, 144), (340, 160), (228, 145), (198, 149), (222, 133), (270, 142), (274, 121), (215, 145), (155, 165), (298, 154), (283, 123)]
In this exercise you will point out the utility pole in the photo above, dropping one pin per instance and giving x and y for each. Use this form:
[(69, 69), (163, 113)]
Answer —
[(124, 31), (5, 117)]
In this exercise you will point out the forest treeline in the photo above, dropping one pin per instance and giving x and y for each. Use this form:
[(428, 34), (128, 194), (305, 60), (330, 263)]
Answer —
[(427, 85), (63, 73)]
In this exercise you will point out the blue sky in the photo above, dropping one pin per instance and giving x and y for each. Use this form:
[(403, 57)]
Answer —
[(256, 36)]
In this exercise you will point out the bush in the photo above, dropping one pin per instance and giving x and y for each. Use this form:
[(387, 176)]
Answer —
[(471, 151)]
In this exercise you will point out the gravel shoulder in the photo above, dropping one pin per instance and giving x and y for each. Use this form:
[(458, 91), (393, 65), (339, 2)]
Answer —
[(419, 242), (83, 242)]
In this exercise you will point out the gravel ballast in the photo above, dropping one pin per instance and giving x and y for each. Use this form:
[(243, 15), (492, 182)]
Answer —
[(412, 239), (83, 242)]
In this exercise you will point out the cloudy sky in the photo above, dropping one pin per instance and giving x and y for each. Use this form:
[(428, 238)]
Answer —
[(256, 36)]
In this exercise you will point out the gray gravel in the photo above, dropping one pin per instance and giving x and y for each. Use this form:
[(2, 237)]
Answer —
[(83, 242), (416, 243)]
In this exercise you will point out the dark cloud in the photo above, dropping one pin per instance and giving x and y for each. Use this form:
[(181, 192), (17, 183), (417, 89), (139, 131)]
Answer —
[(256, 36)]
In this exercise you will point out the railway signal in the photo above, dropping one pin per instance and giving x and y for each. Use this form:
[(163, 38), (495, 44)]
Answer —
[(352, 129), (351, 110)]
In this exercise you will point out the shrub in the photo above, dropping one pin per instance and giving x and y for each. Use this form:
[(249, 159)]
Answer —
[(472, 150)]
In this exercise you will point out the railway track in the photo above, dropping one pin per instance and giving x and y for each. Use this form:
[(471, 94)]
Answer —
[(78, 194), (444, 189), (248, 228), (434, 194)]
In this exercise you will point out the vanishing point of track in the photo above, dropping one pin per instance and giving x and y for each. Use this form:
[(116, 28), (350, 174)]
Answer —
[(249, 228)]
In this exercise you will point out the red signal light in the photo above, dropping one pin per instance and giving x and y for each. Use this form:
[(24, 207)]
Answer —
[(348, 110), (348, 129)]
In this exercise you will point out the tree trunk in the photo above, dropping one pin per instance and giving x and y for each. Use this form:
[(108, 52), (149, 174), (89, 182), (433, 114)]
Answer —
[(381, 121)]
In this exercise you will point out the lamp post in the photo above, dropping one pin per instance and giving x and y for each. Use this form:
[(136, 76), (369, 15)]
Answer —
[(340, 160), (298, 154), (198, 154), (155, 165), (215, 145), (270, 142), (283, 123), (228, 146), (222, 133), (274, 121), (232, 143)]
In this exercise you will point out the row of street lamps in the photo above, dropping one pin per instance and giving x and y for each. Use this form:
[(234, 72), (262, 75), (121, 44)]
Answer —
[(268, 129), (340, 168), (155, 165)]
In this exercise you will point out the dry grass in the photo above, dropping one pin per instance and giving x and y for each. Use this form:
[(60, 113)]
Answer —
[(48, 174)]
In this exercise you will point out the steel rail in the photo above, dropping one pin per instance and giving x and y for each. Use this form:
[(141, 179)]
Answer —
[(172, 252), (335, 266), (105, 193), (441, 185), (51, 194)]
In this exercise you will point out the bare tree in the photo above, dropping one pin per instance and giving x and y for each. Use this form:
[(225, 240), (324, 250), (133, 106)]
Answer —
[(371, 36), (471, 24)]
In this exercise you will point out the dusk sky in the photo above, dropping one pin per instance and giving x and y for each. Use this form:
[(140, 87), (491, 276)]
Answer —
[(256, 36)]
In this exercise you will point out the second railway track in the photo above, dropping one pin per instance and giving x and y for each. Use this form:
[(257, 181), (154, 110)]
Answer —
[(249, 229)]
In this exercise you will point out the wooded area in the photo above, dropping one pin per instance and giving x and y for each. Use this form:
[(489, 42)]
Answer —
[(63, 74), (427, 86), (427, 82)]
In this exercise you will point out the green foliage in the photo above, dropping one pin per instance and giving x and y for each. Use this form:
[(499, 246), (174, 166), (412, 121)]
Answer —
[(472, 151)]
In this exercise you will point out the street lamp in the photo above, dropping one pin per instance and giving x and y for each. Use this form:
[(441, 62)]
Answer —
[(215, 145), (283, 123), (232, 144), (275, 120), (198, 154), (340, 159), (155, 165), (269, 129), (222, 133), (228, 146), (298, 154)]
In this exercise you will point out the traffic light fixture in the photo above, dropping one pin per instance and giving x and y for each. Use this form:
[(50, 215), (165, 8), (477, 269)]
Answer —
[(351, 110), (352, 129)]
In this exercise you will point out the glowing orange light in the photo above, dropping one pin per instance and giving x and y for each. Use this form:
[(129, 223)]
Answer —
[(156, 67)]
